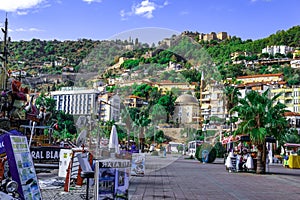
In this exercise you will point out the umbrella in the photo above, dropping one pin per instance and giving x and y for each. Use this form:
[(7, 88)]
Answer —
[(113, 140)]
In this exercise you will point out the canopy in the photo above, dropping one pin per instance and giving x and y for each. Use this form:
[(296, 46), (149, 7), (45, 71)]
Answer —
[(291, 145)]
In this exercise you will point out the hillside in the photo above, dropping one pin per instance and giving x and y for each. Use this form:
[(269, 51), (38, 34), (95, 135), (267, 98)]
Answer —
[(102, 54)]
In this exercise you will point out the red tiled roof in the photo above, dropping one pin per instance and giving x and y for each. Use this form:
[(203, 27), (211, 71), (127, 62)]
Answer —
[(259, 75), (291, 114)]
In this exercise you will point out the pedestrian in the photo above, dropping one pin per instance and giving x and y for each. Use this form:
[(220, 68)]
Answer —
[(228, 162)]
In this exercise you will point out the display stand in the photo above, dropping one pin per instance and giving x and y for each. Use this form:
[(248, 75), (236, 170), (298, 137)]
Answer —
[(138, 164), (21, 165), (112, 179)]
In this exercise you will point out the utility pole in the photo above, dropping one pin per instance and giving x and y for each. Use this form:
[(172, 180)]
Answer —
[(4, 58)]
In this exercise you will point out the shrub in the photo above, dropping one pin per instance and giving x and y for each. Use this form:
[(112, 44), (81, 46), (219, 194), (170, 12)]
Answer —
[(211, 155), (220, 150)]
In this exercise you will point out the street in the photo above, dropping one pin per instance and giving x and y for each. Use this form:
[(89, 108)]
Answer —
[(175, 177)]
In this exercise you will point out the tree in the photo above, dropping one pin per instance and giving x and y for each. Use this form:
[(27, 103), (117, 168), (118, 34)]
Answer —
[(232, 98), (167, 101), (261, 116)]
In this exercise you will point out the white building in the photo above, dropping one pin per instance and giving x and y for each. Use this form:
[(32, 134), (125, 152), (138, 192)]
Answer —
[(294, 120), (186, 109), (295, 64), (76, 101), (272, 50), (109, 105)]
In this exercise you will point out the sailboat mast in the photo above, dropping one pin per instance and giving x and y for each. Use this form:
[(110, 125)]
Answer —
[(4, 57)]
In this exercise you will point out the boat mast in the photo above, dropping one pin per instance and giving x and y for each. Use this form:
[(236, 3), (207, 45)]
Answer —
[(4, 58)]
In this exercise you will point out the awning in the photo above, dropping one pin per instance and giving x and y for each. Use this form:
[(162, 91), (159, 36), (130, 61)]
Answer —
[(291, 145)]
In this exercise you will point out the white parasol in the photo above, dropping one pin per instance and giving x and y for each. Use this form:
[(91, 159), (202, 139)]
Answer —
[(113, 140)]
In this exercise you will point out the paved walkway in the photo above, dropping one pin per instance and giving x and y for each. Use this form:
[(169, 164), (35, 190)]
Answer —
[(175, 177), (189, 179)]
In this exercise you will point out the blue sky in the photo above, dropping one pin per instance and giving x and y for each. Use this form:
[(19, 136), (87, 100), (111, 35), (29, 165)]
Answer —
[(103, 19)]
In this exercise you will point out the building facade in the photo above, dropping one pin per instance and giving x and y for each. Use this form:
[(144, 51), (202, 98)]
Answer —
[(186, 109), (109, 107), (76, 101), (282, 49)]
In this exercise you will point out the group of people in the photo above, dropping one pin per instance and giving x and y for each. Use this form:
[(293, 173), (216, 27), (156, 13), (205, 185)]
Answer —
[(243, 161)]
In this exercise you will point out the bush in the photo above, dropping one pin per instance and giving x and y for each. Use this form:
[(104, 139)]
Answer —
[(220, 150), (211, 155)]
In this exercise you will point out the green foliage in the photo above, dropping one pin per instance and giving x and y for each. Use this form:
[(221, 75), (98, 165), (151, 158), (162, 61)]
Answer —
[(129, 64), (160, 137), (220, 150), (261, 116), (208, 147), (47, 102), (180, 148)]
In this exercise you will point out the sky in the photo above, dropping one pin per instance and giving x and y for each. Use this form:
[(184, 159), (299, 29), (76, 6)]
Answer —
[(149, 20)]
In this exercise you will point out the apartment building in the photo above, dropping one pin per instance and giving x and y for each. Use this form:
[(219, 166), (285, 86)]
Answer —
[(295, 64), (290, 97), (134, 101), (165, 86), (294, 120), (109, 107), (275, 83), (260, 78), (282, 49), (76, 100)]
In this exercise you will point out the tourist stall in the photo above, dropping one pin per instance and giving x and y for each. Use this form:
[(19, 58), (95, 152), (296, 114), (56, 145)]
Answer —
[(293, 160)]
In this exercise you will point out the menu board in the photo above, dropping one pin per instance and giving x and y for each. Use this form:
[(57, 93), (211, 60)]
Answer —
[(22, 167)]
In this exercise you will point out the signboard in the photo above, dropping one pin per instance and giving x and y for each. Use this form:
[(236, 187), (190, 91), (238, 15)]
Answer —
[(21, 166), (65, 156), (112, 179), (138, 164), (40, 154)]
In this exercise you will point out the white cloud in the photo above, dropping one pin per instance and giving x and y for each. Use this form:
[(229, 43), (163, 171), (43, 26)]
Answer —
[(144, 9), (22, 12), (92, 1), (28, 30), (17, 5)]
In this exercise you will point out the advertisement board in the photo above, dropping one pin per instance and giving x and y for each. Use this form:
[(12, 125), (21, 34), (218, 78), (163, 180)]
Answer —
[(112, 179), (138, 164), (21, 166)]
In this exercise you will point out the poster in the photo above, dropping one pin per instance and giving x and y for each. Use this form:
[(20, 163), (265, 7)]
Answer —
[(21, 166), (138, 164), (65, 156), (112, 179)]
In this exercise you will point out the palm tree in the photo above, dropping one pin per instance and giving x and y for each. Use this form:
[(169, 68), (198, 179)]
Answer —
[(232, 95), (261, 117)]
